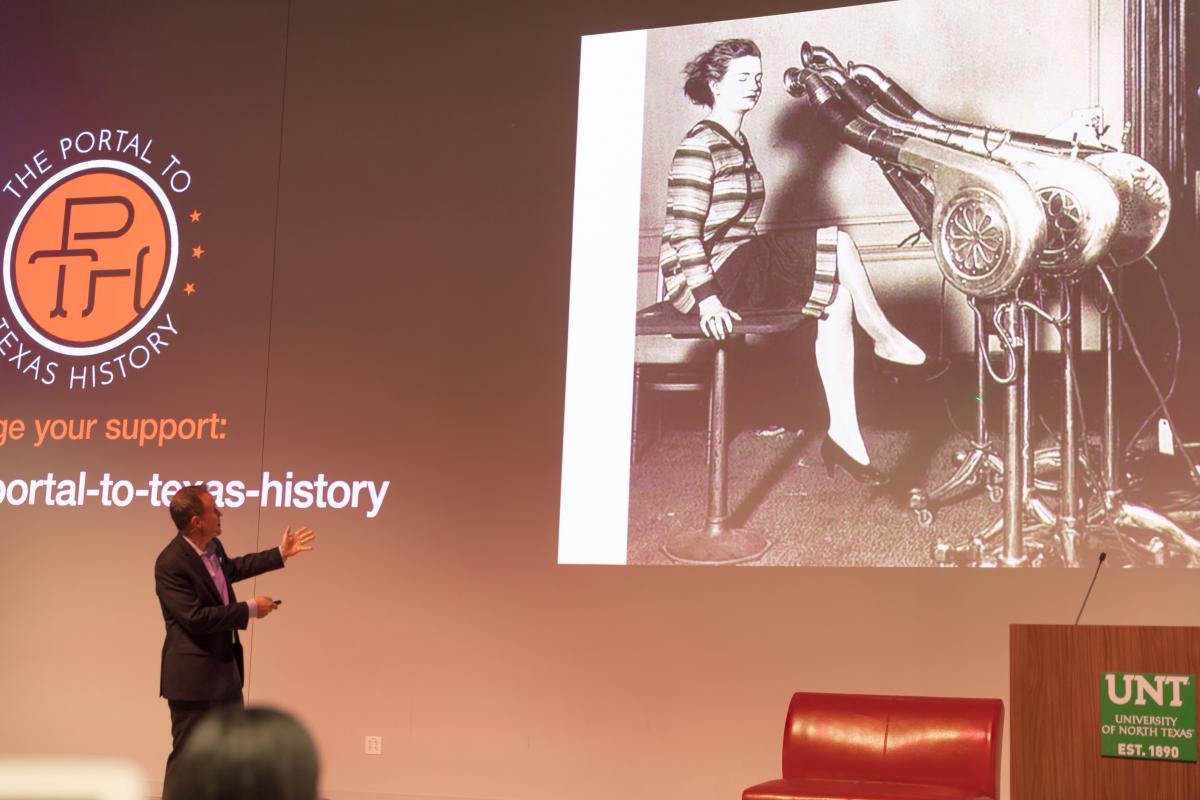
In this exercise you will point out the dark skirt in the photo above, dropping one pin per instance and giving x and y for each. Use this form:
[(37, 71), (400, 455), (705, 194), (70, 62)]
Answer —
[(796, 270)]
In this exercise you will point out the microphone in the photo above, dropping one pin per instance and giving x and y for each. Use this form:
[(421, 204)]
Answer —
[(1090, 585)]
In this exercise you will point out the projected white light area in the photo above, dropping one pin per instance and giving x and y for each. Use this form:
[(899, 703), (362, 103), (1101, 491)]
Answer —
[(604, 251)]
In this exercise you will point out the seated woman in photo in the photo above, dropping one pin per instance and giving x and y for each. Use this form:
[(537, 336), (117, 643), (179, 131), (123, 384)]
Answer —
[(715, 263)]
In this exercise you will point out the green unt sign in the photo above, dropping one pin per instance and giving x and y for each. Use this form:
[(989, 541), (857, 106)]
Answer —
[(1148, 716)]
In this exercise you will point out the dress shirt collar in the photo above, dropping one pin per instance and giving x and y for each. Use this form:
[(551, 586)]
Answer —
[(212, 546)]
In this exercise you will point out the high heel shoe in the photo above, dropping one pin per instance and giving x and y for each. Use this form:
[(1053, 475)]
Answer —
[(834, 456), (928, 371)]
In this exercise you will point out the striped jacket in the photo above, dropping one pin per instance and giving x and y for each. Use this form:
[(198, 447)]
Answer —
[(715, 195)]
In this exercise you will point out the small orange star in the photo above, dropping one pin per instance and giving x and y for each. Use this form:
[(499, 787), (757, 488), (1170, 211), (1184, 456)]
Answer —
[(197, 251), (194, 216), (189, 289)]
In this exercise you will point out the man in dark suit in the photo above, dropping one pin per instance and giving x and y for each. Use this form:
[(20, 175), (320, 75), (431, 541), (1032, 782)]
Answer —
[(202, 662)]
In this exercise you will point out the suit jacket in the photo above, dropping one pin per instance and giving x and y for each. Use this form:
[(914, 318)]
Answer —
[(202, 654)]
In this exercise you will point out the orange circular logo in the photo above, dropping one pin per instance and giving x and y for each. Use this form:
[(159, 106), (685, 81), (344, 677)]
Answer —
[(90, 257)]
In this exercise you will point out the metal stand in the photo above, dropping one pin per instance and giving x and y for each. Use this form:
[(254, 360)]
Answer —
[(1014, 474), (1029, 531), (1068, 506), (1031, 502), (717, 543), (1025, 518), (1113, 511), (978, 464)]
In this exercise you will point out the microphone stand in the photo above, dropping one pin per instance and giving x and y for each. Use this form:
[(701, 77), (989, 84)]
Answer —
[(1083, 605)]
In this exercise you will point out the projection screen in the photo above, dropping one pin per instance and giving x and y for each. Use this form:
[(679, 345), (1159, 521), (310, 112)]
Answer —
[(649, 474)]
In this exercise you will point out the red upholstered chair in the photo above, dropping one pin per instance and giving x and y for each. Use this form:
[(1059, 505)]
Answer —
[(880, 747)]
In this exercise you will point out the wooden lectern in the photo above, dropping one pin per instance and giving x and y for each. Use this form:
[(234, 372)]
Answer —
[(1054, 685)]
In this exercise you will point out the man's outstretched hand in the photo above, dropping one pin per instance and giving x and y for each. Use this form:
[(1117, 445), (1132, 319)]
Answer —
[(295, 543)]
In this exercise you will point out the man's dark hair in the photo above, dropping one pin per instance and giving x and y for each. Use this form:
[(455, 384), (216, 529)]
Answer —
[(187, 504), (247, 754)]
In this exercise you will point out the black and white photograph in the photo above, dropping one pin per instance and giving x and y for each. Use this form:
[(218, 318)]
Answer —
[(908, 291)]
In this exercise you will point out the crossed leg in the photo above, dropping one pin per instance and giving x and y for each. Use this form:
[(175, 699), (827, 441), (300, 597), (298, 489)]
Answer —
[(835, 347)]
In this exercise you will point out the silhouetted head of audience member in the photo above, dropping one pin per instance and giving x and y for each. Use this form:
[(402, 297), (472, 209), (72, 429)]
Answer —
[(247, 754)]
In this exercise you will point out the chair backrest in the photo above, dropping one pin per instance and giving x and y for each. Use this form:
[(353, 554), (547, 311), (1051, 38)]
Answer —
[(947, 741)]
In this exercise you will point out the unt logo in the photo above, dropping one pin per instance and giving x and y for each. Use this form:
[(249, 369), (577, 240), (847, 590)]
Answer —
[(1141, 689), (90, 257)]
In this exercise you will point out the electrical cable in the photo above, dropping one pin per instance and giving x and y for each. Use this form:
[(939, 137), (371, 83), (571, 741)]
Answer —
[(1174, 314), (1137, 352)]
